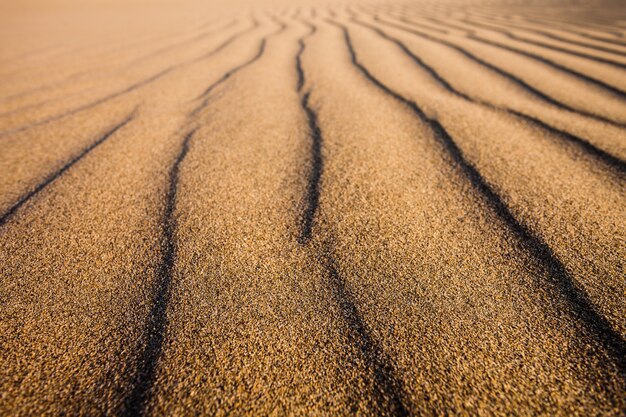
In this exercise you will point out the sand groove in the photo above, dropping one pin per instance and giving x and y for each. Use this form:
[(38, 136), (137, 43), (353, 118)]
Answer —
[(56, 174), (142, 385), (612, 161), (578, 300), (519, 81)]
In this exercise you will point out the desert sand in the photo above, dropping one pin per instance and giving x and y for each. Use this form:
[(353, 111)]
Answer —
[(375, 207)]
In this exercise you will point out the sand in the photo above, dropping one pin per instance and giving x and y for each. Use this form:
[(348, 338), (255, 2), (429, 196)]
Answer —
[(313, 208)]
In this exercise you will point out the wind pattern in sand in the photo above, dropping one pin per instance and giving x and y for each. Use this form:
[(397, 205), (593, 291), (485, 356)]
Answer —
[(362, 208)]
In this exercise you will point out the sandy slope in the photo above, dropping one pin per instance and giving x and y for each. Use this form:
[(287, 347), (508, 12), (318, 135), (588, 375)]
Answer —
[(279, 208)]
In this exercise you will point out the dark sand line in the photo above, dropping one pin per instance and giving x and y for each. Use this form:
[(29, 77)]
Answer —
[(558, 38), (128, 89), (317, 164), (611, 162), (538, 94), (566, 51), (617, 92), (88, 72), (388, 388), (59, 172), (596, 325), (206, 93), (139, 396)]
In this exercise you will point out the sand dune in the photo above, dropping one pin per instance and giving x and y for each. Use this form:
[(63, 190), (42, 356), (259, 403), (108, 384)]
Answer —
[(313, 208)]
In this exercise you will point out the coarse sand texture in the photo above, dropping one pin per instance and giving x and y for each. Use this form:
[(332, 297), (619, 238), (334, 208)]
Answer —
[(313, 208)]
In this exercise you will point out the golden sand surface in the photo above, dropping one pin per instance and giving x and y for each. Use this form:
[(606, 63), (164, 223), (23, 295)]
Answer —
[(357, 207)]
